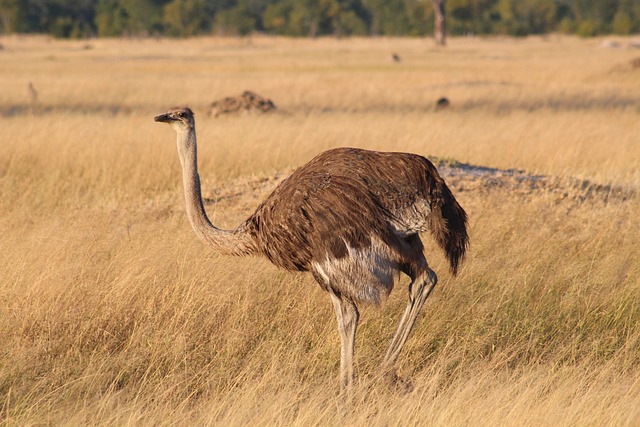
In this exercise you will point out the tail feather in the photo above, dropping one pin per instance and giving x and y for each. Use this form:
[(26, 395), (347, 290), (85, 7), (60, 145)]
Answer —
[(447, 222)]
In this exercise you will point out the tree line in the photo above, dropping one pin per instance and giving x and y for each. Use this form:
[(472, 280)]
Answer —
[(311, 18)]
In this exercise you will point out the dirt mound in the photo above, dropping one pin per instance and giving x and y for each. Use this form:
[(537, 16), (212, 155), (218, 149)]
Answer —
[(246, 102)]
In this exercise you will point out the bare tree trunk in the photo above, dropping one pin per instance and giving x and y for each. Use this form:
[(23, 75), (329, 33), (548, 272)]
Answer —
[(440, 30)]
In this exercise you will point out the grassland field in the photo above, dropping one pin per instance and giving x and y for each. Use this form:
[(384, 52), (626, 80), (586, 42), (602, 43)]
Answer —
[(113, 313)]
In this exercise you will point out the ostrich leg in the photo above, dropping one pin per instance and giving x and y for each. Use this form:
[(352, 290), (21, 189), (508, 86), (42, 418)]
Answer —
[(419, 290), (347, 316)]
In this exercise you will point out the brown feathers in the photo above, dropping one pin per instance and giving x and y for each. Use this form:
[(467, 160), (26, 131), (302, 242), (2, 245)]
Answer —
[(344, 197)]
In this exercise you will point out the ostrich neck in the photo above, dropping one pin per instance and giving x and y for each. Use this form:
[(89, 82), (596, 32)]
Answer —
[(228, 242)]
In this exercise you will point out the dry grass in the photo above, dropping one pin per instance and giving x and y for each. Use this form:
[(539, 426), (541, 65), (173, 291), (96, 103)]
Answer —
[(112, 313)]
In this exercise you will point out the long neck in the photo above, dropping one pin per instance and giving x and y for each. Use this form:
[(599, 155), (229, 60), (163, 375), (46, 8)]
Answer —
[(228, 242)]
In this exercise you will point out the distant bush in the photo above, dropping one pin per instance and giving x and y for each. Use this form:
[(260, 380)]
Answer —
[(182, 18)]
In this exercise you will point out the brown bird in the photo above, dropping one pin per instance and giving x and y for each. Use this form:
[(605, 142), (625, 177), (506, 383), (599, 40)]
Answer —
[(352, 218)]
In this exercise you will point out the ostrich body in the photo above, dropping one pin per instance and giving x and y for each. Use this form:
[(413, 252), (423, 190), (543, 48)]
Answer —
[(352, 218)]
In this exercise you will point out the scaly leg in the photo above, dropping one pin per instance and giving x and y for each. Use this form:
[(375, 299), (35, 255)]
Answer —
[(347, 315), (419, 290)]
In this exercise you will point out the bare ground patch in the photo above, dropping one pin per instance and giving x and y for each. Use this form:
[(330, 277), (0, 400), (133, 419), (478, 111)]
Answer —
[(465, 177)]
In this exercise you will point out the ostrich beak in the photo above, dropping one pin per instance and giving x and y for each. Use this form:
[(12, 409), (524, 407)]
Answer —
[(164, 118)]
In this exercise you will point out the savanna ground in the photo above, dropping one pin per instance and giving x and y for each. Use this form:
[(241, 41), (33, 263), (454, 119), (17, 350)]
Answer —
[(113, 313)]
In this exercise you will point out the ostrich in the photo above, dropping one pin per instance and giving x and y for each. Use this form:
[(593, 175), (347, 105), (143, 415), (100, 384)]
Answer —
[(352, 218)]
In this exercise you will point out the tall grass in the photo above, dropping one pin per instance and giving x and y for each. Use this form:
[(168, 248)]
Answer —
[(114, 314)]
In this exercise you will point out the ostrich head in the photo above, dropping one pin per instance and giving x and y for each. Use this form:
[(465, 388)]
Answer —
[(181, 118)]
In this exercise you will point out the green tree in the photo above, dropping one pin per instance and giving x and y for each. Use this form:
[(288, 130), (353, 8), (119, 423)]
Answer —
[(186, 18), (67, 18), (111, 18), (235, 21), (76, 18), (587, 28), (622, 21), (143, 17), (593, 17), (469, 16), (344, 17), (389, 18), (348, 23), (536, 15), (276, 18), (11, 16)]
